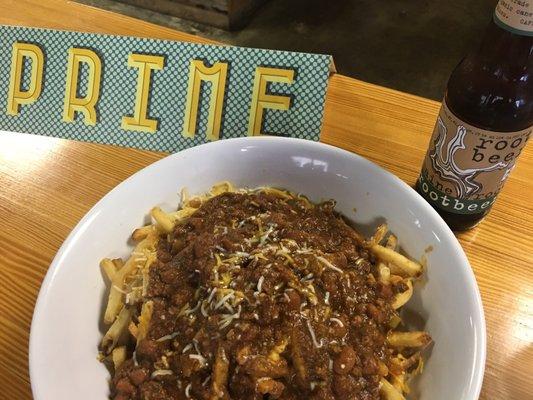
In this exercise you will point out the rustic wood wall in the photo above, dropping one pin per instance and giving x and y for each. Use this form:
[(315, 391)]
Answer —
[(224, 14)]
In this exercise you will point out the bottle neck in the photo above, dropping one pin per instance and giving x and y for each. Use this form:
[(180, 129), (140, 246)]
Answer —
[(504, 47), (515, 16), (492, 88)]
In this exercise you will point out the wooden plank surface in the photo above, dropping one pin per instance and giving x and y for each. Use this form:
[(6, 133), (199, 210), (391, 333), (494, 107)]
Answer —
[(47, 185)]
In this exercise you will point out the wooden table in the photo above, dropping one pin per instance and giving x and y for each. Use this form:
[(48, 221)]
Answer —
[(47, 185)]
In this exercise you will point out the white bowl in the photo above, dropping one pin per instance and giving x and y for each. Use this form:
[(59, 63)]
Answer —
[(65, 329)]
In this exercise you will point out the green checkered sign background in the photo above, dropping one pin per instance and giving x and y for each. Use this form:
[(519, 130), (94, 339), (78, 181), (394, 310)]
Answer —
[(168, 89)]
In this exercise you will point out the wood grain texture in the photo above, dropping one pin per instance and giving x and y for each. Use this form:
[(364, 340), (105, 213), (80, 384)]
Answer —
[(47, 185)]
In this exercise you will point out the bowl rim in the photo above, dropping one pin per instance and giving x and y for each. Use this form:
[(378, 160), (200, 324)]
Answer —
[(476, 379)]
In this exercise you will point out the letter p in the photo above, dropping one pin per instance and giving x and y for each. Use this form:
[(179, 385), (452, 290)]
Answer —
[(16, 96)]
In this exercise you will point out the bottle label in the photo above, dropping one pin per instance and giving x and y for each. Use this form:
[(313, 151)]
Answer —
[(465, 167), (515, 16)]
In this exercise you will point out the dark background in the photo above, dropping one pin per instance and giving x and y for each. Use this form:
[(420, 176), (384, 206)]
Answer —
[(408, 45)]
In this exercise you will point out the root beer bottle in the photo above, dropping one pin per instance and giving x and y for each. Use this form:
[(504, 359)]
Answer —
[(485, 120)]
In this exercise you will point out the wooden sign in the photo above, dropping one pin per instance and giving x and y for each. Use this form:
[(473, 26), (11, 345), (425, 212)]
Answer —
[(155, 94)]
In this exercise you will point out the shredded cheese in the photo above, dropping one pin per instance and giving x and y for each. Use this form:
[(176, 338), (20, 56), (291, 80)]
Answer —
[(161, 372), (193, 310), (195, 344), (264, 237), (224, 300), (203, 310), (229, 308), (119, 289), (338, 321), (213, 291), (260, 284), (329, 264), (167, 337), (308, 277), (198, 357), (228, 318), (313, 336)]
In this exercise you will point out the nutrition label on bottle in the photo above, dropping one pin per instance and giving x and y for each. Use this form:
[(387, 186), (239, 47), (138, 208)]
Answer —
[(465, 166), (515, 16)]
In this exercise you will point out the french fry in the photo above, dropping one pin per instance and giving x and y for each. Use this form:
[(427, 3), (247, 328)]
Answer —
[(118, 263), (220, 375), (419, 367), (307, 204), (383, 369), (396, 364), (162, 219), (384, 273), (402, 298), (222, 187), (395, 279), (115, 330), (145, 280), (118, 355), (195, 202), (114, 304), (408, 363), (408, 339), (144, 320), (389, 392), (141, 233), (278, 349), (277, 193), (109, 268), (398, 381), (395, 320), (297, 354), (180, 215), (133, 329), (405, 265), (185, 196), (392, 242), (380, 233)]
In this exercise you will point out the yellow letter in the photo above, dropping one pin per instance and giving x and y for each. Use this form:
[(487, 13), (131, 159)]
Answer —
[(140, 120), (85, 105), (216, 74), (16, 95), (262, 100)]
